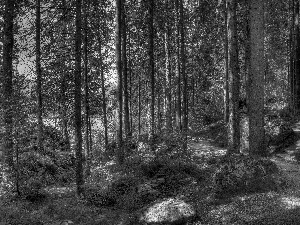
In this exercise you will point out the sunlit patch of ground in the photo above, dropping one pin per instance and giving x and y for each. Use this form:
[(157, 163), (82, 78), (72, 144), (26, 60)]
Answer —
[(204, 149)]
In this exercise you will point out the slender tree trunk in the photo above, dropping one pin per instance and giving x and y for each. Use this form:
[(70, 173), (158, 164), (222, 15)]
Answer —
[(226, 84), (193, 94), (86, 90), (8, 43), (159, 118), (120, 153), (297, 58), (77, 113), (139, 106), (247, 49), (63, 97), (256, 79), (63, 112), (104, 105), (234, 79), (178, 69), (39, 75), (125, 72), (151, 69), (90, 137), (168, 78), (130, 85), (183, 66), (291, 50)]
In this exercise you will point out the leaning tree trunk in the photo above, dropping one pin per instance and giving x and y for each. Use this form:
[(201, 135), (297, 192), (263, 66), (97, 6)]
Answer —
[(256, 79), (234, 79), (77, 112)]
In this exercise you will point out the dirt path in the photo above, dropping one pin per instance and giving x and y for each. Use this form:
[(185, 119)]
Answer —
[(264, 208)]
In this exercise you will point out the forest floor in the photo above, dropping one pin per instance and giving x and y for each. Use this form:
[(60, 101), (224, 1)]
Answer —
[(261, 208), (281, 207)]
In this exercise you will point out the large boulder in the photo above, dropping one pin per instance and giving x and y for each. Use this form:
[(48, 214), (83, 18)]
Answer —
[(169, 212)]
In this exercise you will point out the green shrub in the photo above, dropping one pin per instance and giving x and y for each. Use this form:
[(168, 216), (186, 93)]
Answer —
[(98, 196), (238, 174)]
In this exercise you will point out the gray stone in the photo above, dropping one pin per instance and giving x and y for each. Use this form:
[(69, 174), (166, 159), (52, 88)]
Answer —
[(169, 212)]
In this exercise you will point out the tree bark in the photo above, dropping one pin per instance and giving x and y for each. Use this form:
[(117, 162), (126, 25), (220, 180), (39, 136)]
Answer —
[(297, 59), (226, 84), (291, 49), (151, 69), (77, 113), (63, 97), (183, 67), (139, 106), (125, 72), (234, 79), (39, 75), (256, 79), (120, 153), (178, 105), (86, 90), (168, 77), (247, 49), (104, 105), (8, 43)]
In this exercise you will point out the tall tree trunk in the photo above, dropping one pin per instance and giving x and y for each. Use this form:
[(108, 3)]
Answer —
[(104, 105), (63, 97), (77, 113), (39, 75), (291, 55), (178, 105), (247, 49), (120, 153), (130, 84), (151, 69), (256, 79), (297, 58), (86, 90), (159, 114), (226, 84), (125, 71), (139, 105), (183, 66), (90, 137), (8, 43), (63, 112), (234, 79), (168, 96)]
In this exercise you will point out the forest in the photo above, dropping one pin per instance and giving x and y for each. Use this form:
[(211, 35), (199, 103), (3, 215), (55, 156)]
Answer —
[(147, 112)]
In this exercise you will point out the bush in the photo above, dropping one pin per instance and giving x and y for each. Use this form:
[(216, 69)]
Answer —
[(98, 196), (238, 174), (112, 193)]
